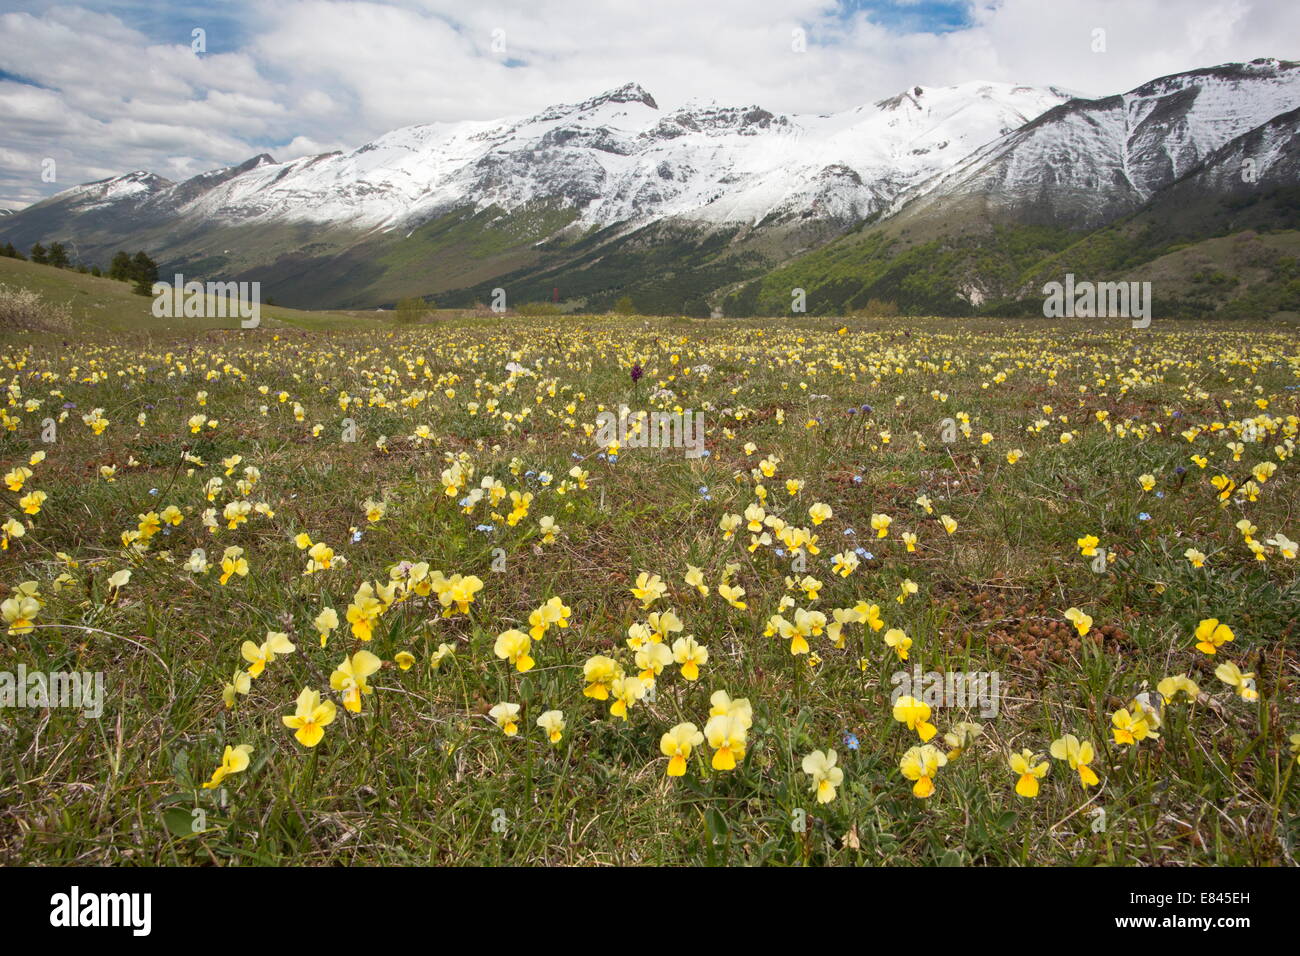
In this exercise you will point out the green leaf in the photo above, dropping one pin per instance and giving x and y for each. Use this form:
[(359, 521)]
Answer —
[(178, 821)]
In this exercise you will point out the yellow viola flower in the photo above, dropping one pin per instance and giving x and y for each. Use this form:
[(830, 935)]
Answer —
[(662, 625), (459, 591), (651, 659), (880, 524), (721, 704), (443, 652), (1284, 545), (916, 715), (325, 622), (1211, 635), (920, 764), (695, 579), (236, 513), (625, 692), (1078, 755), (638, 634), (240, 683), (17, 477), (1147, 481), (649, 588), (870, 615), (548, 529), (554, 611), (733, 594), (404, 659), (691, 656), (961, 736), (819, 512), (350, 678), (949, 525), (32, 501), (258, 656), (906, 590), (1082, 622), (826, 777), (552, 723), (1088, 545), (150, 524), (320, 558), (898, 641), (600, 672), (845, 563), (806, 624), (1197, 558), (1129, 728), (1170, 687), (233, 760), (1029, 772), (909, 539), (12, 530), (362, 613), (1231, 674), (513, 645), (728, 736), (519, 507), (809, 585), (1014, 456), (20, 613), (233, 564), (835, 629), (677, 744), (310, 718), (506, 716)]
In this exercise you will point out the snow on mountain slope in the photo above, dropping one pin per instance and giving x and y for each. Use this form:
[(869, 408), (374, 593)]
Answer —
[(1088, 161), (617, 158), (848, 165), (135, 187)]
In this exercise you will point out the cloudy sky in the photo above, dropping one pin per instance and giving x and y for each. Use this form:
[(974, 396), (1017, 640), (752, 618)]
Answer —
[(111, 86)]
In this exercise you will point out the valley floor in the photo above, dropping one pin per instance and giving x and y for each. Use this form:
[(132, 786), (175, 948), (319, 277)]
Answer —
[(489, 631)]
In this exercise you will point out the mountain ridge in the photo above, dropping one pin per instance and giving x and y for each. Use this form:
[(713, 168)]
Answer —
[(569, 196)]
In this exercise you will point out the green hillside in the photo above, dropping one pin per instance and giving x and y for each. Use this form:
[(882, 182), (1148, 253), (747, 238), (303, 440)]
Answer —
[(1236, 259), (96, 303)]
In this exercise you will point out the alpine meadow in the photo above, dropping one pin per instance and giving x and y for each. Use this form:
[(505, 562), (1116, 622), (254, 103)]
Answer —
[(895, 473)]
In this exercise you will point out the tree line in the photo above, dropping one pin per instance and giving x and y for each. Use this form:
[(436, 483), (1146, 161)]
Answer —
[(140, 269)]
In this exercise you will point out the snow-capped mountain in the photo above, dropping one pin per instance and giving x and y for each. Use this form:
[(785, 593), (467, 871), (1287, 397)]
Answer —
[(683, 207), (615, 158), (1086, 162)]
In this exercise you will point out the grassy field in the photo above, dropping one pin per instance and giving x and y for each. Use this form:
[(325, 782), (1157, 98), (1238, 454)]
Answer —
[(998, 445)]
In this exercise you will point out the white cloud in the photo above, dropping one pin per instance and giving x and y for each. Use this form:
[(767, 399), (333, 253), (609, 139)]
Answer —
[(119, 87)]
